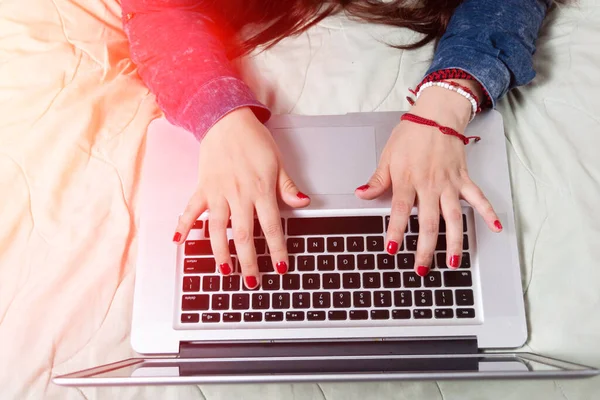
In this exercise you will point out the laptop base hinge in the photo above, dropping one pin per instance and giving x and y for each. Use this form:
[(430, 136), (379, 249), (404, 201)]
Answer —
[(387, 346)]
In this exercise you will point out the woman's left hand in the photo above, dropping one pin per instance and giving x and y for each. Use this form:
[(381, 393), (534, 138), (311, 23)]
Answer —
[(429, 169)]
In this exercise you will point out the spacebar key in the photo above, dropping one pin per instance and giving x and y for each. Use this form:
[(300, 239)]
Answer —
[(334, 225)]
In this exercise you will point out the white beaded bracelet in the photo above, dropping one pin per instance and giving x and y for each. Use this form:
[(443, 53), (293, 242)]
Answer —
[(457, 89)]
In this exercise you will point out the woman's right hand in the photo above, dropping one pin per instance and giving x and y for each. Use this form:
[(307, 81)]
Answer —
[(240, 172)]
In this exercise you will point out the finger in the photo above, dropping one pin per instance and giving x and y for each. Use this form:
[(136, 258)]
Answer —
[(195, 207), (380, 181), (218, 220), (429, 222), (452, 213), (242, 223), (402, 203), (270, 222), (474, 196), (289, 192)]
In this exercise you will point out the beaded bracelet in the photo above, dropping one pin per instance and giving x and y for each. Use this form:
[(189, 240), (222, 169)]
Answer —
[(455, 87)]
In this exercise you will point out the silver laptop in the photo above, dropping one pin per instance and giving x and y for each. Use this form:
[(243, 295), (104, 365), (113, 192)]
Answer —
[(346, 310)]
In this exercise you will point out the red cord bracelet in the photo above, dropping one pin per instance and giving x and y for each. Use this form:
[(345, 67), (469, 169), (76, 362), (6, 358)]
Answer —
[(444, 129)]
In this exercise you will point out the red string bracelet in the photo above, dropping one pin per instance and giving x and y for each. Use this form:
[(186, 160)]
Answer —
[(444, 129)]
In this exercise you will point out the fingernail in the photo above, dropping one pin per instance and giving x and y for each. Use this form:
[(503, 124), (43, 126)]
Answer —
[(454, 260), (251, 282), (422, 270), (281, 267), (225, 269), (177, 237), (392, 247), (363, 188), (498, 225), (302, 196)]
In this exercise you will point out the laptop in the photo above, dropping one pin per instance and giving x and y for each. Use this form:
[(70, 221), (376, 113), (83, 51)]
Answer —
[(346, 310)]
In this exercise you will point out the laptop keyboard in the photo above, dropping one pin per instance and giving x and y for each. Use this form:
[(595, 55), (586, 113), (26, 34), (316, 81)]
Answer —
[(338, 271)]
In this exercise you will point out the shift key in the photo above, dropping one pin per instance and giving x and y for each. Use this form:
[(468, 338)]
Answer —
[(198, 248)]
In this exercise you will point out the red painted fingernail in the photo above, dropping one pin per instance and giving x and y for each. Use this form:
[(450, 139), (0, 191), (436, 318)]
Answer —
[(177, 237), (422, 270), (498, 225), (363, 188), (454, 261), (225, 269), (302, 196), (251, 282), (281, 267), (392, 247)]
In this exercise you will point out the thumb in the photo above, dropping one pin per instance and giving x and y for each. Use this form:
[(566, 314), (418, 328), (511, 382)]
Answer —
[(289, 192), (380, 181)]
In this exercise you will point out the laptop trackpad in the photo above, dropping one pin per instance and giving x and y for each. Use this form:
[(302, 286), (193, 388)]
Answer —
[(328, 160)]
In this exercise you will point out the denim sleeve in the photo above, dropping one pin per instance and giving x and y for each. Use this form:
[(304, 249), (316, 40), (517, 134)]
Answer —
[(184, 64), (494, 41)]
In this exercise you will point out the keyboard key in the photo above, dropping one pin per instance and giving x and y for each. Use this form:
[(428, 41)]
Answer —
[(457, 278), (440, 260), (411, 280), (464, 298), (191, 283), (270, 282), (414, 223), (359, 314), (387, 222), (337, 315), (281, 301), (406, 261), (465, 261), (260, 301), (190, 318), (443, 298), (256, 231), (315, 245), (331, 281), (292, 263), (355, 244), (315, 315), (252, 316), (211, 283), (232, 317), (231, 283), (465, 242), (321, 300), (192, 302), (341, 299), (464, 223), (301, 300), (411, 242), (385, 261), (220, 302), (401, 314), (295, 245), (442, 228), (335, 244), (375, 243), (345, 262), (260, 246), (362, 299), (441, 243), (372, 280), (232, 249), (325, 263), (423, 298), (366, 261), (391, 280), (211, 317), (198, 248), (265, 264), (422, 313), (240, 301), (199, 266), (351, 281), (294, 316), (444, 313), (380, 314), (319, 226), (433, 279), (382, 299), (402, 298), (311, 281), (291, 281), (465, 313), (306, 263), (273, 316), (198, 225)]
